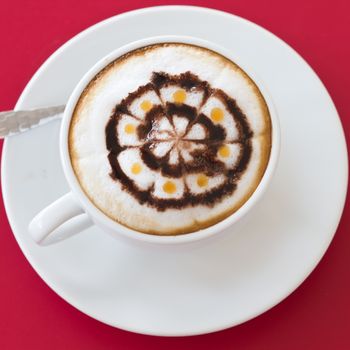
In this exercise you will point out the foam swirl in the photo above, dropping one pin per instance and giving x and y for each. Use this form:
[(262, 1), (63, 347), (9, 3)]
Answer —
[(178, 142)]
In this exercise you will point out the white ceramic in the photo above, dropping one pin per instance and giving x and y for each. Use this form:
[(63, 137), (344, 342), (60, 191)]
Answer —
[(54, 223), (191, 289)]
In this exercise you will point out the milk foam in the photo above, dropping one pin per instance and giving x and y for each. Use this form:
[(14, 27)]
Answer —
[(177, 140)]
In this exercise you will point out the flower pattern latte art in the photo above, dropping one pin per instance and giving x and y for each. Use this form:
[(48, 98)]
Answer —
[(178, 142)]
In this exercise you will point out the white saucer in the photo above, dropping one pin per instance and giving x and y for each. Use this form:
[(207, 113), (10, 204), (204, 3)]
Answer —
[(199, 289)]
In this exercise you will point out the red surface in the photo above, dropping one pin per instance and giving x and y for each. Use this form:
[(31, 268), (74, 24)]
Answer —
[(316, 316)]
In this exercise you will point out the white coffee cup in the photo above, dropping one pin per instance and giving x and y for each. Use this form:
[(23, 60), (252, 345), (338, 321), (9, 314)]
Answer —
[(74, 212)]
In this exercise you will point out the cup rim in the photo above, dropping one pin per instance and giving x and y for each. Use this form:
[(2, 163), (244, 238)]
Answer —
[(96, 214)]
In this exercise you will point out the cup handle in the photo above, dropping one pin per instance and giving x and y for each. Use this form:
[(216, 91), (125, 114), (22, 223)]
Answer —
[(60, 220)]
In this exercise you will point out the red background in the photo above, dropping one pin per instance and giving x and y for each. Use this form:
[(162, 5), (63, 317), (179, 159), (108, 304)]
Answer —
[(316, 316)]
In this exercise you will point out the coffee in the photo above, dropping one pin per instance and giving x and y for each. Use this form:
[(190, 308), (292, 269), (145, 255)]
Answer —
[(170, 138)]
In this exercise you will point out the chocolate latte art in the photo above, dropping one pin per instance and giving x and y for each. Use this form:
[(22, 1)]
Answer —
[(170, 139)]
